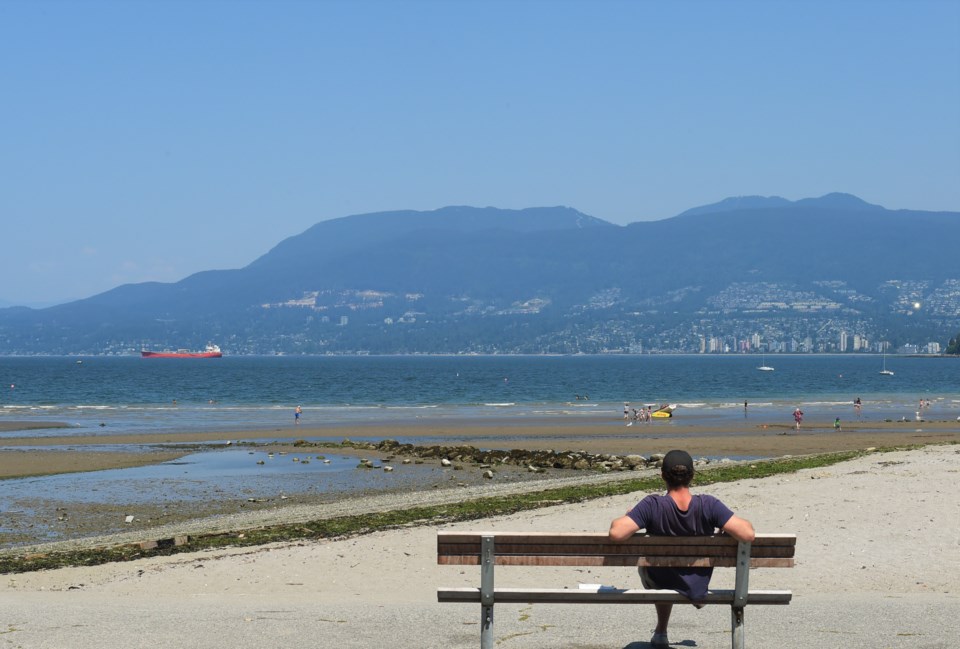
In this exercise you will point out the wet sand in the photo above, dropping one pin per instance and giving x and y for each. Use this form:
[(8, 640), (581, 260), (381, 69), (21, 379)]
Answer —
[(23, 463), (6, 426), (23, 456)]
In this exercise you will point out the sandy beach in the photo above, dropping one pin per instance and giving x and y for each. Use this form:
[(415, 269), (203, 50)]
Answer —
[(878, 564)]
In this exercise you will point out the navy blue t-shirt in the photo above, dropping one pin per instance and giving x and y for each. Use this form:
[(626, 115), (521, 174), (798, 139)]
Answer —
[(660, 516)]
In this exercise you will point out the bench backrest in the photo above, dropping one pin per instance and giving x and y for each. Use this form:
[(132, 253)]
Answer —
[(596, 549)]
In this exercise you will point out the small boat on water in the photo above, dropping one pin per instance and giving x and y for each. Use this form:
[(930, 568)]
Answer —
[(763, 365), (885, 371), (663, 411), (210, 351)]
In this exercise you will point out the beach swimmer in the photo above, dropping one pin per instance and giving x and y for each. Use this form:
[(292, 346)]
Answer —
[(678, 513), (296, 414), (798, 416)]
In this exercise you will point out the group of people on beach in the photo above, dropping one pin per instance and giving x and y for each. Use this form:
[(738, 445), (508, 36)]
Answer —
[(857, 408), (632, 415), (798, 418), (924, 404)]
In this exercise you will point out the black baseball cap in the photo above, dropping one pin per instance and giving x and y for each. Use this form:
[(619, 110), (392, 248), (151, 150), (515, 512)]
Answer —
[(677, 458)]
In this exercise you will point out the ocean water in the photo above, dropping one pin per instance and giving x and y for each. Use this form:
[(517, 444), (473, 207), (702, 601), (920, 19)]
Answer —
[(107, 395)]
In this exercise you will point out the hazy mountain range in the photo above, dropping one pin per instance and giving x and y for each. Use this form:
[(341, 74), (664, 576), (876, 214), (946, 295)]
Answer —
[(461, 279)]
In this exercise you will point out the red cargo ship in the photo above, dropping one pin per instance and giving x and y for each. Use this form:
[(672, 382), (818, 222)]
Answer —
[(211, 351)]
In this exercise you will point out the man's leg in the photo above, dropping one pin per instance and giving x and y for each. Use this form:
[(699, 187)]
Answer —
[(663, 617), (659, 639)]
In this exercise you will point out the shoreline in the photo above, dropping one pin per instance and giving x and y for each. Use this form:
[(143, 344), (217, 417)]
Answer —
[(302, 511), (22, 456), (198, 501)]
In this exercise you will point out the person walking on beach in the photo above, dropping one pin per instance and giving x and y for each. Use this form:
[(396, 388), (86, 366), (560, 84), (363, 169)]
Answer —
[(296, 415), (856, 407), (836, 424), (798, 416), (678, 513)]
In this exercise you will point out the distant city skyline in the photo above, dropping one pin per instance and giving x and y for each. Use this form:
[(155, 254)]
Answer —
[(148, 141)]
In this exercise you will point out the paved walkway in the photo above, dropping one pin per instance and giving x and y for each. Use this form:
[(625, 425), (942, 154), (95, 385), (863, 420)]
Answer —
[(71, 620)]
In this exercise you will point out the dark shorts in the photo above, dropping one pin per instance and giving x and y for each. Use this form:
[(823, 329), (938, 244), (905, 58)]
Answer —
[(646, 579)]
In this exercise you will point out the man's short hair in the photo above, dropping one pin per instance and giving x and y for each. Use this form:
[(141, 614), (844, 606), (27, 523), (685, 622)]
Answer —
[(677, 469)]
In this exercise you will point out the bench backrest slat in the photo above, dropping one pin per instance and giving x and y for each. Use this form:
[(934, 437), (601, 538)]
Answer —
[(506, 548), (595, 549)]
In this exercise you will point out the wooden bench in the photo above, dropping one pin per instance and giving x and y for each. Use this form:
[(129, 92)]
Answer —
[(489, 549)]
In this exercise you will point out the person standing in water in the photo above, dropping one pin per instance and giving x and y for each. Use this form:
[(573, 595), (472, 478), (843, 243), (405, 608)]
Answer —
[(296, 415), (798, 416)]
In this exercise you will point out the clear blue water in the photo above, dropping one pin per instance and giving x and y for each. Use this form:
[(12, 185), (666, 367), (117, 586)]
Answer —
[(236, 393)]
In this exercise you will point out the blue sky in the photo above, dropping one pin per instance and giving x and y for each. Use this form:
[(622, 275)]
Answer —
[(145, 141)]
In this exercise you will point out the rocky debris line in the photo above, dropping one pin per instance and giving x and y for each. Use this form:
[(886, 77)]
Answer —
[(536, 461)]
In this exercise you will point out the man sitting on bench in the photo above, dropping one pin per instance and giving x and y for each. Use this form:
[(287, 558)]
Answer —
[(678, 513)]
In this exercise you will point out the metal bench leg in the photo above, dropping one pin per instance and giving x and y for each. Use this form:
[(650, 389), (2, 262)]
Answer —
[(736, 626), (486, 627), (486, 592), (741, 589)]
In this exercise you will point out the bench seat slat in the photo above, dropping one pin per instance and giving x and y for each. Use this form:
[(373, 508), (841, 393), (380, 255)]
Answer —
[(653, 544), (593, 537), (606, 596)]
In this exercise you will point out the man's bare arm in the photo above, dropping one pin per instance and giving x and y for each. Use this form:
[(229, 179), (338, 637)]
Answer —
[(622, 529), (739, 528)]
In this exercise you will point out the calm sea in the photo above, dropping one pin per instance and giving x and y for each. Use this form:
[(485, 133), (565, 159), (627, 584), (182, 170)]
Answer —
[(112, 394)]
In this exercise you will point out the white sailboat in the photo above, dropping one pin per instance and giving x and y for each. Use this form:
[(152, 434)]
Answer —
[(885, 371), (763, 364)]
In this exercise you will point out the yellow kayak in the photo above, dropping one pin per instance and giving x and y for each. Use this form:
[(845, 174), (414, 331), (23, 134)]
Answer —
[(663, 412)]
